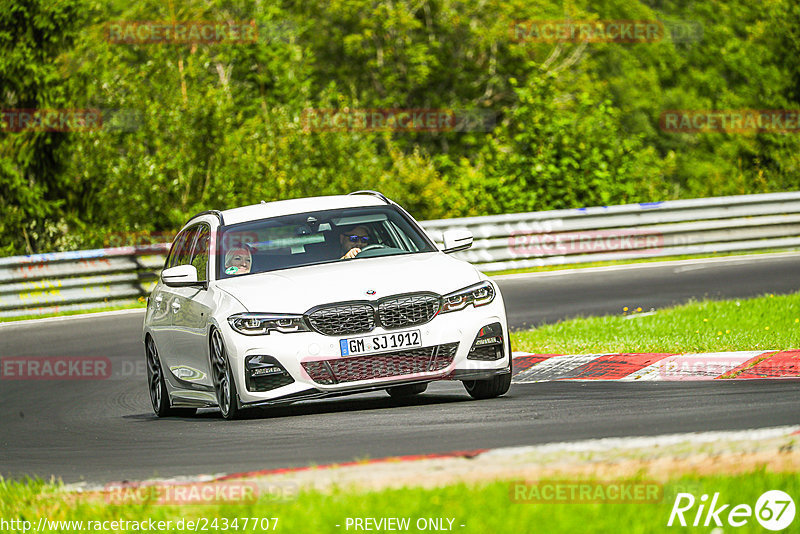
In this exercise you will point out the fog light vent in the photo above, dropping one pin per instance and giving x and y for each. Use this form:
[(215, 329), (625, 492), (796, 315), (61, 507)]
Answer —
[(264, 373), (489, 344)]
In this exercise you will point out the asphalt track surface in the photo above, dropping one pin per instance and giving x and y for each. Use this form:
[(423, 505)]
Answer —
[(102, 431)]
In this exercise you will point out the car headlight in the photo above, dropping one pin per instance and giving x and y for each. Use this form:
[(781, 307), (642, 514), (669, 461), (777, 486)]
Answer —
[(256, 324), (477, 295)]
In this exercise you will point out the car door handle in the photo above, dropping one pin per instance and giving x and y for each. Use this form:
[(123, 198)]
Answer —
[(176, 306)]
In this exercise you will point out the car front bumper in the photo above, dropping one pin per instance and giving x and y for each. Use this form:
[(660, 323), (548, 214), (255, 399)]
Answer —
[(305, 356)]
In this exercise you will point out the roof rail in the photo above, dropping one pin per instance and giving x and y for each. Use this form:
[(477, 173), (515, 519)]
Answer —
[(210, 212), (373, 193)]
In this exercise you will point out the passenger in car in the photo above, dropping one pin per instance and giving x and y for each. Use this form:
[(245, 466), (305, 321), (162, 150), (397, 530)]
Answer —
[(352, 240), (238, 261)]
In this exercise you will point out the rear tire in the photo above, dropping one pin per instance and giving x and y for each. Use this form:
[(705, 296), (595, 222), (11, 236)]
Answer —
[(488, 389), (224, 383), (399, 392), (159, 396)]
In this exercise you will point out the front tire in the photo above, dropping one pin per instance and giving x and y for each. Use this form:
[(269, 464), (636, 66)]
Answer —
[(410, 390), (159, 396), (224, 383), (488, 389)]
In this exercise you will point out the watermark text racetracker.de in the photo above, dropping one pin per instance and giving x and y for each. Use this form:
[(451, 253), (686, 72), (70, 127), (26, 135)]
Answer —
[(212, 492), (738, 121), (723, 365), (592, 31), (396, 120), (68, 120), (156, 242), (194, 524), (525, 243), (51, 120), (586, 491), (605, 31), (181, 32), (55, 368)]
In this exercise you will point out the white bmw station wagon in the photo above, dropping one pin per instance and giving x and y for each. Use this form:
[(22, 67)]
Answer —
[(300, 299)]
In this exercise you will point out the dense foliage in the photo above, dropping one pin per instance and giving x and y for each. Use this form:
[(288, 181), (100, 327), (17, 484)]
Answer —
[(197, 126)]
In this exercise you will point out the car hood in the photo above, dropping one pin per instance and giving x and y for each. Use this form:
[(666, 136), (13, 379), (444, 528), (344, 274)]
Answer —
[(296, 290)]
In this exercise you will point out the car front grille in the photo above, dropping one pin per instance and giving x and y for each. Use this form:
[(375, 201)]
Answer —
[(343, 319), (386, 365), (398, 311), (408, 310)]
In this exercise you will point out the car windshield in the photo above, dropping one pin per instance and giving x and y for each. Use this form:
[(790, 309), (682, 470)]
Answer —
[(318, 237)]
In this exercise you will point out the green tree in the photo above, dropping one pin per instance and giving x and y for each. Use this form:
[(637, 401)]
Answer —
[(34, 189)]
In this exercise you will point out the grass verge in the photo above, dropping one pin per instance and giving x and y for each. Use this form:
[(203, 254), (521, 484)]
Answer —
[(481, 508), (763, 323)]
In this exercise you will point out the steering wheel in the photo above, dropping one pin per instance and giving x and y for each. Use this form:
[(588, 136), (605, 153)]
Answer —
[(371, 247), (368, 248)]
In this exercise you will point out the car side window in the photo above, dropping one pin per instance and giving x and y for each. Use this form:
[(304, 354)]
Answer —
[(199, 256), (172, 260), (181, 253)]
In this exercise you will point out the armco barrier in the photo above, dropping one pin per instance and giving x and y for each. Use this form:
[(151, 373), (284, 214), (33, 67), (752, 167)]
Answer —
[(633, 231), (80, 280), (46, 283)]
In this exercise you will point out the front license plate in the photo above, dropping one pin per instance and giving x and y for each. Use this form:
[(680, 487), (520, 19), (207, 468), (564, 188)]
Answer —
[(380, 343)]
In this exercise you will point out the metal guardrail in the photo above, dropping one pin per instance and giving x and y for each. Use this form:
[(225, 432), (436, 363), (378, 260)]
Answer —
[(82, 280), (632, 231)]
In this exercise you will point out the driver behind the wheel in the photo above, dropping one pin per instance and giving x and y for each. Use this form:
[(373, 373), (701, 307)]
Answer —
[(353, 240)]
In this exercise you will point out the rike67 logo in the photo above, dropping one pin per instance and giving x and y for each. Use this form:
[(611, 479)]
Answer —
[(774, 510)]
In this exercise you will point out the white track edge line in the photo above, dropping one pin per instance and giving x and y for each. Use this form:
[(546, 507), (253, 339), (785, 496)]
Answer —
[(635, 442), (88, 315), (587, 445), (646, 265)]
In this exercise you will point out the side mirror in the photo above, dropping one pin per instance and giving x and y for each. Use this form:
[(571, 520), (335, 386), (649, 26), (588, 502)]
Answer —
[(455, 240), (180, 276)]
